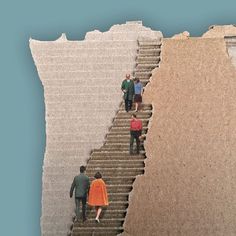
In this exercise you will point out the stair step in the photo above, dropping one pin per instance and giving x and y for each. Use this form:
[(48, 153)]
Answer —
[(75, 169), (118, 137), (114, 145), (118, 146), (116, 172), (127, 120), (130, 159), (59, 194), (144, 81), (117, 140), (118, 196), (149, 42), (140, 60), (124, 129), (118, 188), (147, 106), (106, 210), (94, 234), (67, 179), (126, 123), (121, 120), (149, 51), (115, 136), (125, 164), (118, 205), (118, 158), (103, 231), (115, 162), (111, 187), (139, 114), (149, 47), (143, 74), (117, 222), (145, 67), (115, 154), (122, 109), (118, 180)]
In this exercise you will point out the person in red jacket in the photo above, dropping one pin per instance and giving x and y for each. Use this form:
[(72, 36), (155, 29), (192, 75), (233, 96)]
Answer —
[(135, 132)]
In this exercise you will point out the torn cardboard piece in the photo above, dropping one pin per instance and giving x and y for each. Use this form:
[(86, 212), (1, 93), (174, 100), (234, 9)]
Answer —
[(188, 187)]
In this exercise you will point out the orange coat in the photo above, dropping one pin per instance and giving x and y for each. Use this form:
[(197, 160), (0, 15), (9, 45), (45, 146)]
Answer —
[(98, 193)]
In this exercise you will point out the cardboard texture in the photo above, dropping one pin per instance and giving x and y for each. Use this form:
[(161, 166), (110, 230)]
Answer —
[(219, 31), (188, 187), (82, 92)]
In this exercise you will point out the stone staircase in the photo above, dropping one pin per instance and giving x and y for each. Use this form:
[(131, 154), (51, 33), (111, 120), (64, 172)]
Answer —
[(118, 168)]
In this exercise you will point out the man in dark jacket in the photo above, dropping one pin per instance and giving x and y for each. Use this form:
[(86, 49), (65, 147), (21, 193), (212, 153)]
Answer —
[(81, 185), (127, 87)]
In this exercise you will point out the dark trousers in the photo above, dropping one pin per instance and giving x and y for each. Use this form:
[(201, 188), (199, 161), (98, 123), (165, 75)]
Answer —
[(77, 204), (134, 135), (128, 104)]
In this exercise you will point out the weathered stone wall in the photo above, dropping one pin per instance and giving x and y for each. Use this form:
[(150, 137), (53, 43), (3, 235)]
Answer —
[(81, 82), (189, 185)]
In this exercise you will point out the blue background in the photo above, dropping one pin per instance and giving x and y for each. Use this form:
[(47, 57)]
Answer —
[(22, 124)]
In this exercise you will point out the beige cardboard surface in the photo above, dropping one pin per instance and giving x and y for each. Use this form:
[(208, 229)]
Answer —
[(183, 35), (219, 31), (189, 185)]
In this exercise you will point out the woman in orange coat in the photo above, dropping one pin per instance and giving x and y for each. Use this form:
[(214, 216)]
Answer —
[(98, 195)]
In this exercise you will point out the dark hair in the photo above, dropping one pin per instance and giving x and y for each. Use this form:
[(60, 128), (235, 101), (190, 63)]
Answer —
[(82, 169), (98, 175), (134, 115), (137, 80)]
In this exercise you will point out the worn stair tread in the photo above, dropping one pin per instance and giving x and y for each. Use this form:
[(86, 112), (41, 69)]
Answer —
[(103, 222), (98, 228), (97, 231), (116, 161), (118, 157), (129, 119), (126, 169), (153, 42), (148, 58), (148, 69), (147, 48), (138, 113), (102, 165), (147, 65), (94, 234), (126, 127)]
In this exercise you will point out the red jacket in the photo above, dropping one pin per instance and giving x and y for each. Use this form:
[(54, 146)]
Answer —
[(136, 125)]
